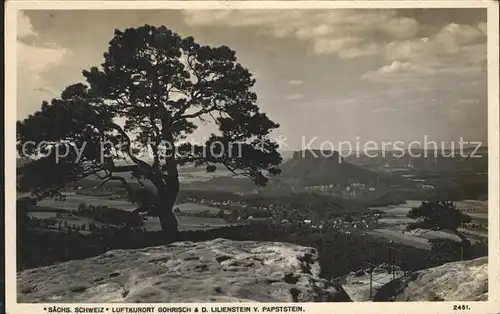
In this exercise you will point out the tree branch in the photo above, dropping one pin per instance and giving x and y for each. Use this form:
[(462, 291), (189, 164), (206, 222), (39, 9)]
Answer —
[(156, 164), (127, 168), (115, 178), (142, 166)]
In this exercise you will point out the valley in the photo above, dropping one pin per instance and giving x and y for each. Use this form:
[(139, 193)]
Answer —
[(311, 200)]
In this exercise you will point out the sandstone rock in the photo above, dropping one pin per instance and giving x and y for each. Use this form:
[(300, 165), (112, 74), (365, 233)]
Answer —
[(457, 281), (213, 271)]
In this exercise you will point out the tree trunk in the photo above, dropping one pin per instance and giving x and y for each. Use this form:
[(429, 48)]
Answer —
[(464, 245), (166, 198), (167, 191)]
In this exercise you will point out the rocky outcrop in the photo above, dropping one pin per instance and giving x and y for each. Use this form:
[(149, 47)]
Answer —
[(457, 281), (214, 271)]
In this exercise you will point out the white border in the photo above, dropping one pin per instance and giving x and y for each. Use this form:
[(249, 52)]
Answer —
[(491, 306)]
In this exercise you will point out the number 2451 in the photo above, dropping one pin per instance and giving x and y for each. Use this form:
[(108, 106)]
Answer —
[(461, 307)]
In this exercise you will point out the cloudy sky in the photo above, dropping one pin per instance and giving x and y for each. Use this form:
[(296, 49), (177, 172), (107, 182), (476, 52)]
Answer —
[(335, 75)]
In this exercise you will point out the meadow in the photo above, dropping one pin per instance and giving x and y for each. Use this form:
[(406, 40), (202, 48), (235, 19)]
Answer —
[(63, 210)]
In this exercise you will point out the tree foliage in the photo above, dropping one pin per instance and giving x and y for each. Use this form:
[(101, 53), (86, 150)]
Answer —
[(442, 215), (437, 215)]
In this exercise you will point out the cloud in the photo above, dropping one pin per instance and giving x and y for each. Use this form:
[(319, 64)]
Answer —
[(35, 83), (347, 33), (24, 26), (453, 56), (35, 59), (402, 27), (365, 49), (448, 40), (394, 71), (336, 45), (454, 33), (383, 110), (469, 101), (483, 27), (314, 31), (284, 46), (294, 96), (295, 82)]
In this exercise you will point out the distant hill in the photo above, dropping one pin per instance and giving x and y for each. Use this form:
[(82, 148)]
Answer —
[(315, 167), (222, 183), (287, 154)]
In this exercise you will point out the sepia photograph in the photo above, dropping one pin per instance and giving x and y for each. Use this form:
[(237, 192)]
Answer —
[(251, 154)]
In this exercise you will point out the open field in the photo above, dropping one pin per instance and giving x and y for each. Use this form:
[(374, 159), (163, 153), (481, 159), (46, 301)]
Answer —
[(72, 202), (400, 210), (474, 233), (152, 224), (70, 219), (197, 208), (397, 220), (399, 237), (477, 205), (476, 209)]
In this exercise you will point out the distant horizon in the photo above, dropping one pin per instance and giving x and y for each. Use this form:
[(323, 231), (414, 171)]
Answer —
[(285, 151)]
